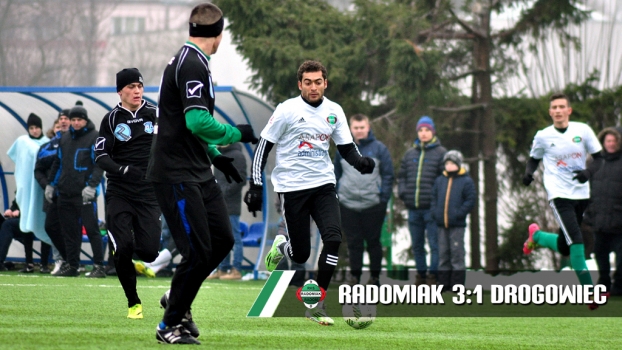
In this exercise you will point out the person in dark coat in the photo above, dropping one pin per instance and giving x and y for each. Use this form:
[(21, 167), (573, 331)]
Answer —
[(420, 166), (232, 191), (605, 211), (453, 198)]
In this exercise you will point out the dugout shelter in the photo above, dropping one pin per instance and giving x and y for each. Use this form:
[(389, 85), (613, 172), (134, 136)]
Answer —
[(232, 106)]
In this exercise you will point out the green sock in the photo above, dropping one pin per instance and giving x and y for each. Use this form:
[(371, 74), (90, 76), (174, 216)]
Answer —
[(546, 239), (577, 261)]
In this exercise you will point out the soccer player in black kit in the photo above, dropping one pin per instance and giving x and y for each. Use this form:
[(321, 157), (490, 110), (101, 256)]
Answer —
[(132, 213), (184, 147)]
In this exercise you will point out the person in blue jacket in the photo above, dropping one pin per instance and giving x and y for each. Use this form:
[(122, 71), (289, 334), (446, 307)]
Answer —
[(363, 199), (453, 198)]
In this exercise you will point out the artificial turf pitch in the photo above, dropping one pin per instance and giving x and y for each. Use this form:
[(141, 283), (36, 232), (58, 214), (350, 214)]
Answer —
[(44, 312)]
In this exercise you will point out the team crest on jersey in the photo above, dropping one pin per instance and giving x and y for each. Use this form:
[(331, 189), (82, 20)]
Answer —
[(193, 89), (331, 119), (149, 127), (123, 132), (577, 139)]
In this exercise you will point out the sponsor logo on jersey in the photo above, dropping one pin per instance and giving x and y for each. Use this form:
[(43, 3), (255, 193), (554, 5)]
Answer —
[(132, 121), (316, 137), (577, 139), (312, 153), (123, 132), (331, 119), (99, 143), (305, 143), (193, 89), (561, 163), (149, 127)]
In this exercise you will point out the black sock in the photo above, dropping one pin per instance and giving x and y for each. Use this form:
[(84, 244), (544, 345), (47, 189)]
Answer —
[(327, 263)]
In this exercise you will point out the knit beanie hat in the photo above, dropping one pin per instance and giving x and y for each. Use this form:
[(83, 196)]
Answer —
[(34, 119), (427, 122), (128, 76), (64, 112), (453, 156), (78, 112)]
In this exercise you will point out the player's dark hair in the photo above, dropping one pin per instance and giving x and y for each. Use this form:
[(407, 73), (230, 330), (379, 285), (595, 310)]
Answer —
[(205, 14), (311, 66), (359, 118), (559, 95)]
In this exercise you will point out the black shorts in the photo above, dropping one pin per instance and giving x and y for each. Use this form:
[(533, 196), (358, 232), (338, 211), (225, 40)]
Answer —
[(321, 204), (569, 215)]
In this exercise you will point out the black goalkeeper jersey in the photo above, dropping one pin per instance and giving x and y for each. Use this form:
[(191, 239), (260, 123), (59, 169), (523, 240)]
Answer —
[(176, 154), (126, 138)]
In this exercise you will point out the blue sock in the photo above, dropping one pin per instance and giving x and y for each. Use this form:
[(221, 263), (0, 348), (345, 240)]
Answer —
[(162, 325)]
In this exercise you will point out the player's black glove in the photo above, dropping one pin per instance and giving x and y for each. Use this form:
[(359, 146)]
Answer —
[(248, 135), (365, 165), (582, 175), (225, 165), (131, 172), (254, 199), (527, 179)]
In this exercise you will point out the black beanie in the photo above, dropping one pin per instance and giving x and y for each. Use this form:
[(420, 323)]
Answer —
[(34, 119), (128, 76), (78, 112), (64, 112)]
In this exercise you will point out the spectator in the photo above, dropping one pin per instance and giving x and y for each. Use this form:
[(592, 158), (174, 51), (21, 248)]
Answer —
[(453, 198), (420, 166), (232, 191), (363, 200), (29, 195), (43, 167), (74, 177), (9, 231), (604, 211)]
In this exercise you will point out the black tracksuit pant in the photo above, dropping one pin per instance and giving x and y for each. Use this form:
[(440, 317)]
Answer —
[(133, 228), (360, 227), (196, 214), (76, 214)]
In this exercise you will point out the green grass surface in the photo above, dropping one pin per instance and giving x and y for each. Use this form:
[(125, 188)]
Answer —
[(44, 312)]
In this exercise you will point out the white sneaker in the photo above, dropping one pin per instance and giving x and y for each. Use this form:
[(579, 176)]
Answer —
[(57, 265)]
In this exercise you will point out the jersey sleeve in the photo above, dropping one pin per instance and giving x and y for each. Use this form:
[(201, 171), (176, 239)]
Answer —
[(195, 86), (592, 145), (537, 147), (277, 125), (105, 140), (341, 135)]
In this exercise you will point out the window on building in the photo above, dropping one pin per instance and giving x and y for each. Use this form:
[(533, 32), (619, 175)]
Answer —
[(128, 25)]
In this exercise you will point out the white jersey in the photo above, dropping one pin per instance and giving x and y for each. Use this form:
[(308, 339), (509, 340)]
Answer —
[(302, 136), (562, 154)]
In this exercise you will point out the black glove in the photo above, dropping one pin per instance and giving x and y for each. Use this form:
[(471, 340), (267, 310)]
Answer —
[(248, 135), (582, 175), (254, 199), (365, 165), (225, 165), (527, 179), (131, 172)]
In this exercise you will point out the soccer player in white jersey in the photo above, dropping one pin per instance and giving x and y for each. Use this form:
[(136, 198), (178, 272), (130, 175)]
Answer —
[(563, 147), (302, 128)]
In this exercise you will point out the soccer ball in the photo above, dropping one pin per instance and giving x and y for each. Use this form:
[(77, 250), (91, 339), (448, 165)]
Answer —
[(359, 316)]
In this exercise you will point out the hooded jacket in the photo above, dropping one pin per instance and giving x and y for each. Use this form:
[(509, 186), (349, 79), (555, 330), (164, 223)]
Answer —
[(453, 198), (74, 166), (45, 158), (420, 166), (357, 191)]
